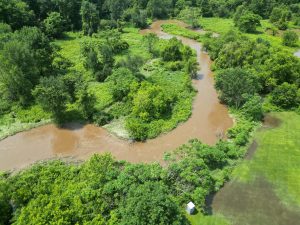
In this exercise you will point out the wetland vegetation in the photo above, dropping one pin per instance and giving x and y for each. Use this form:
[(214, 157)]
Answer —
[(94, 62)]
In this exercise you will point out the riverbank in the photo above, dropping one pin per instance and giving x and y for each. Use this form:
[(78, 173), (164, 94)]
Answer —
[(209, 119), (17, 127)]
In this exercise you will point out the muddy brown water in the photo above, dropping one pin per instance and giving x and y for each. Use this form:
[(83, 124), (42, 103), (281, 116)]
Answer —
[(209, 119)]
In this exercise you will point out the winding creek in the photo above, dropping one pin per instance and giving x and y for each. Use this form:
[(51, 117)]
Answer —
[(208, 119)]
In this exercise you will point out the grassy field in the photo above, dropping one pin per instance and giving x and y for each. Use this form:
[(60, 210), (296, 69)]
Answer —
[(278, 158), (266, 189), (222, 26), (200, 219)]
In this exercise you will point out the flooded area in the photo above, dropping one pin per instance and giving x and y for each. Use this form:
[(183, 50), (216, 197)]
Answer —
[(209, 120)]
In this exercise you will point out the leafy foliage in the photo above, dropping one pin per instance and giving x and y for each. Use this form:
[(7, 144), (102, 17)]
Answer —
[(54, 25), (246, 20), (235, 84), (52, 95), (285, 96), (290, 38)]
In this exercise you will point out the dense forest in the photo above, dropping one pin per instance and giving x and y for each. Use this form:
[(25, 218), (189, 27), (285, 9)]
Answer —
[(145, 84)]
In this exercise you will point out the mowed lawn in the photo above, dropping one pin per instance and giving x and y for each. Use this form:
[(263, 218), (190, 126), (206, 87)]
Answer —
[(278, 157)]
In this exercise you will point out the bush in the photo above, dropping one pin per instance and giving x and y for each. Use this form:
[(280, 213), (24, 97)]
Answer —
[(102, 118), (54, 25), (252, 109), (241, 132), (285, 96), (137, 128), (290, 38), (235, 84), (248, 22), (172, 51), (5, 207)]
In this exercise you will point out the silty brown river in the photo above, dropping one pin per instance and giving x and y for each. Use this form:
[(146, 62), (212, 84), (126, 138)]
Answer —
[(208, 119)]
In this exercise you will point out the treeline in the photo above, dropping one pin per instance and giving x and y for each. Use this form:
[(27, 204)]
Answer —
[(104, 191), (58, 15), (248, 69)]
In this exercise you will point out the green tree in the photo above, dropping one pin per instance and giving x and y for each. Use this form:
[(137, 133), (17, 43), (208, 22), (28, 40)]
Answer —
[(139, 18), (252, 109), (138, 129), (234, 83), (172, 50), (41, 48), (18, 71), (26, 57), (85, 101), (248, 22), (150, 102), (5, 34), (121, 80), (285, 96), (117, 8), (90, 17), (279, 68), (5, 207), (16, 13), (54, 25), (280, 17), (192, 67), (52, 95), (191, 16), (158, 8), (151, 40), (150, 203), (290, 38), (132, 62), (70, 12), (99, 59)]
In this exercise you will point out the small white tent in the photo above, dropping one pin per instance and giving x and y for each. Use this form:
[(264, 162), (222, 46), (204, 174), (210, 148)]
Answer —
[(190, 208)]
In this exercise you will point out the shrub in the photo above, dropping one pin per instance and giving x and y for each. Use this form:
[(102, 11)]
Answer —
[(252, 109), (285, 96), (102, 118), (290, 38)]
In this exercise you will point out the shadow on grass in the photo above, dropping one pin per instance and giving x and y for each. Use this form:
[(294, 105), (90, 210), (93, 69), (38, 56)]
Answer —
[(252, 203)]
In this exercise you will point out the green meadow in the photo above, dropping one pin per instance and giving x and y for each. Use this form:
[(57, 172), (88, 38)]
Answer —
[(264, 189), (277, 158)]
